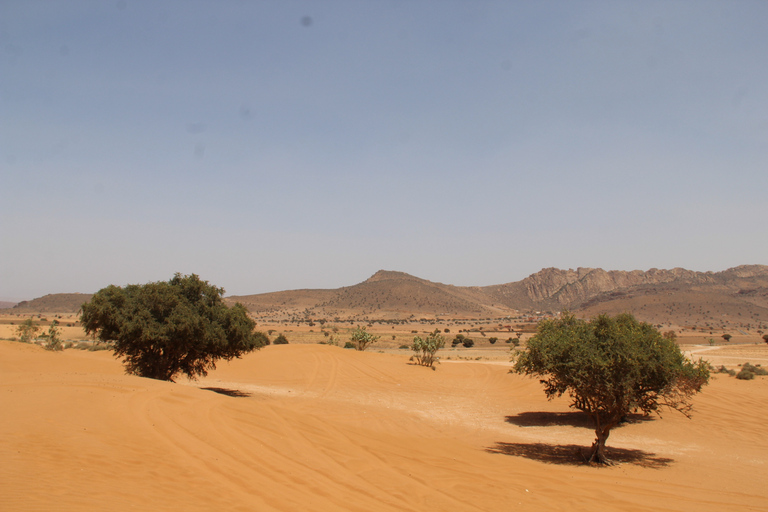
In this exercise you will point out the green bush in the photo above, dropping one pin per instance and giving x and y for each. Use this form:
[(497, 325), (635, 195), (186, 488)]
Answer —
[(362, 338), (426, 348), (745, 374), (349, 344), (280, 340)]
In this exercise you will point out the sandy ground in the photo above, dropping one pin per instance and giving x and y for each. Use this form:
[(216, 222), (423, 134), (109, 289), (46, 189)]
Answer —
[(314, 427)]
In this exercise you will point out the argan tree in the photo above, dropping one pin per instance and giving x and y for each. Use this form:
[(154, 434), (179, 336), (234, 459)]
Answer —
[(362, 338), (610, 367), (163, 329), (426, 348)]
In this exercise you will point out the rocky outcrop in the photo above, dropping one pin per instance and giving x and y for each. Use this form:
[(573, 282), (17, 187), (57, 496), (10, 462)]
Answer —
[(570, 288)]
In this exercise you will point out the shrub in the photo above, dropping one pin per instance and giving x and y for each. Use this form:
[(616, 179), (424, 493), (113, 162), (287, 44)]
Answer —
[(426, 348), (362, 338), (349, 344), (723, 369), (745, 374), (54, 339), (27, 331), (457, 340), (756, 369), (468, 342), (280, 340), (493, 340)]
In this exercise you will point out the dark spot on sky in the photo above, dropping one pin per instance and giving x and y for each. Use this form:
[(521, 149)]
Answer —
[(195, 127), (245, 112), (306, 21)]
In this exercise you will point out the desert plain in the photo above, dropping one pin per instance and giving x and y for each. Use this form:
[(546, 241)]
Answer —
[(307, 426)]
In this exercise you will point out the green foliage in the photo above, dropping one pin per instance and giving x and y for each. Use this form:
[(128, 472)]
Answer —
[(460, 339), (362, 338), (611, 367), (54, 339), (765, 338), (280, 340), (163, 329), (27, 331), (745, 374), (426, 348), (492, 340), (349, 344), (727, 337)]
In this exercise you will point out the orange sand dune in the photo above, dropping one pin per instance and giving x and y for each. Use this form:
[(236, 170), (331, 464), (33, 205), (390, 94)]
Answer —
[(310, 427)]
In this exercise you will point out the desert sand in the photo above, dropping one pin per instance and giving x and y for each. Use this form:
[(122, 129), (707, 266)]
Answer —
[(315, 427)]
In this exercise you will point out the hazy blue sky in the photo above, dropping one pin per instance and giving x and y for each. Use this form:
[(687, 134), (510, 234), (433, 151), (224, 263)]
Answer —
[(276, 145)]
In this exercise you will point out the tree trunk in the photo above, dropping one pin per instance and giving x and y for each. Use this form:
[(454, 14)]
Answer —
[(598, 455)]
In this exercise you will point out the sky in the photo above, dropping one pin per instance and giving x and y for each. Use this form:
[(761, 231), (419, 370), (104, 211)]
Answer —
[(277, 145)]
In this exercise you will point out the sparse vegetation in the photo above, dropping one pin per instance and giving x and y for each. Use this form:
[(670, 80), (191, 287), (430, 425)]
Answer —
[(27, 331), (361, 338), (426, 348), (54, 339), (610, 367), (280, 340)]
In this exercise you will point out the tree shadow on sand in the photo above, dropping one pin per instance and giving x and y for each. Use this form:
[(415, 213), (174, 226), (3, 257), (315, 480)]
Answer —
[(569, 419), (575, 455), (229, 392)]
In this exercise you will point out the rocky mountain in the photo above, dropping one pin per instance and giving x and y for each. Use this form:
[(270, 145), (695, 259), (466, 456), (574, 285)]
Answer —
[(571, 289)]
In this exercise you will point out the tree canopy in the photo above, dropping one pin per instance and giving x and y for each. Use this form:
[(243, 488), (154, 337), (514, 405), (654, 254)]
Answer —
[(610, 367), (163, 329)]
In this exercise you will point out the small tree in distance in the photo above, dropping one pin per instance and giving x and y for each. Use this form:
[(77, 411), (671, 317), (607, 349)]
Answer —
[(54, 339), (362, 338), (426, 348), (765, 338), (727, 337), (611, 367)]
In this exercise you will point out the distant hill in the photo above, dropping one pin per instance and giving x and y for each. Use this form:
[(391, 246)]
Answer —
[(737, 297), (6, 305), (53, 303)]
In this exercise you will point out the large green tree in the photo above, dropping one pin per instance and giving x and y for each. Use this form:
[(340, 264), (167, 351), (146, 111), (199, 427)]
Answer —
[(610, 367), (164, 328)]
